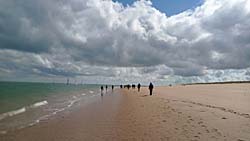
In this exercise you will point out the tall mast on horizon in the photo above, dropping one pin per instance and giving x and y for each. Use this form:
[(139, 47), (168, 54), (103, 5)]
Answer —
[(67, 81)]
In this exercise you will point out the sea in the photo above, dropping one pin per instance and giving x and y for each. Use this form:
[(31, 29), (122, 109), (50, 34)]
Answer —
[(25, 104)]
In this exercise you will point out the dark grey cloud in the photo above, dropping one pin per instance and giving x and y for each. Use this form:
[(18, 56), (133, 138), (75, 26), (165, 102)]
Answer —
[(25, 26)]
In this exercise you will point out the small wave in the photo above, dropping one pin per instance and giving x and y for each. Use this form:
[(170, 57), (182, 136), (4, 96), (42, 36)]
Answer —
[(38, 104), (12, 113), (32, 124), (3, 132), (45, 117), (72, 103), (22, 110), (57, 111), (91, 92), (83, 94)]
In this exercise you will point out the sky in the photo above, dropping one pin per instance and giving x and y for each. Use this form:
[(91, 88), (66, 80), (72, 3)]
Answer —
[(169, 7), (103, 41)]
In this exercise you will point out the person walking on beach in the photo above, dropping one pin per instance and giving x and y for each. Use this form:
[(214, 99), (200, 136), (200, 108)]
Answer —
[(101, 90), (139, 87), (106, 88), (112, 88), (151, 87), (129, 86)]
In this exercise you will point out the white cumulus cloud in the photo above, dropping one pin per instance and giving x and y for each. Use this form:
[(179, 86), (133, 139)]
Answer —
[(92, 38)]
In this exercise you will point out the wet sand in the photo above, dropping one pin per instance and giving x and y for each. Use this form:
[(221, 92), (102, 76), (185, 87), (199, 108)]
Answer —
[(194, 112)]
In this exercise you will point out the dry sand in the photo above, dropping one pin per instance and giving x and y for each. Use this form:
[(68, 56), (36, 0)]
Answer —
[(185, 113)]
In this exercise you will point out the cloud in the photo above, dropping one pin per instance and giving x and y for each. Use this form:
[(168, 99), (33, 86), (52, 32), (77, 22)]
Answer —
[(104, 38)]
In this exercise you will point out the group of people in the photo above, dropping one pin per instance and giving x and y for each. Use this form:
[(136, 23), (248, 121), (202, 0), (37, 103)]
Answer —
[(106, 87), (133, 86), (150, 87)]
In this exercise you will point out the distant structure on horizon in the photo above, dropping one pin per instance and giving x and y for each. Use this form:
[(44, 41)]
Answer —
[(67, 81)]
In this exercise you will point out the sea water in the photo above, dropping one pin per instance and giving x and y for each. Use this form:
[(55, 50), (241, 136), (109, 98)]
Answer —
[(24, 104)]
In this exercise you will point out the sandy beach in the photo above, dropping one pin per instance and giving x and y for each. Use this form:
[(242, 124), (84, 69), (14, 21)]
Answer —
[(193, 112)]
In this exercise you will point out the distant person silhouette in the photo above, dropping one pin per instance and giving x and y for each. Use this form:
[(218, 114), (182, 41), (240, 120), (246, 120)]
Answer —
[(121, 86), (101, 90), (151, 87), (106, 88), (112, 88), (129, 86), (139, 87)]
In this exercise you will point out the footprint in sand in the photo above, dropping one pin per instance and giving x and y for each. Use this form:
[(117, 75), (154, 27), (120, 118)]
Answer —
[(214, 130), (191, 119), (200, 122), (223, 118), (162, 139), (217, 132), (197, 137), (204, 126), (185, 126), (213, 137)]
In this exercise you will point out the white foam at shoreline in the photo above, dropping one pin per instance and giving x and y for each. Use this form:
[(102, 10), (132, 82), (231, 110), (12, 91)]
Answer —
[(66, 104), (12, 113), (38, 104), (72, 103), (22, 110), (3, 132)]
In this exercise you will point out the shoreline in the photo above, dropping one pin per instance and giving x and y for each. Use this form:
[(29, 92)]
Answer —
[(24, 105), (193, 112)]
